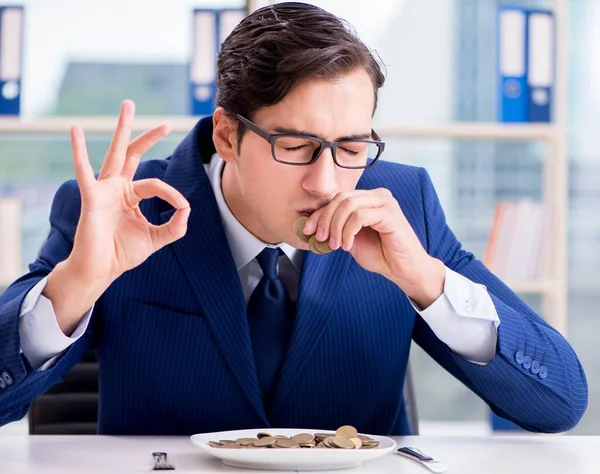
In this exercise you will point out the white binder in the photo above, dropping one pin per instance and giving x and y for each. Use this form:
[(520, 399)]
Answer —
[(11, 54), (540, 68)]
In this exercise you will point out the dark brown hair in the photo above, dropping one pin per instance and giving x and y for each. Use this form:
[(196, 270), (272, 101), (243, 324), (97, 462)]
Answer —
[(277, 47)]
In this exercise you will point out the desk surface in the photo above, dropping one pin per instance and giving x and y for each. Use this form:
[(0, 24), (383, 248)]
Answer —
[(489, 455)]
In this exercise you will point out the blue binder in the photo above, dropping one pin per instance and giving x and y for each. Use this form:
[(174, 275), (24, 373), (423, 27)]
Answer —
[(11, 58), (540, 65), (211, 27), (513, 93)]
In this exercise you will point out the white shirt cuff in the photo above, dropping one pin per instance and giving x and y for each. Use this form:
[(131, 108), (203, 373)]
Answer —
[(42, 340), (464, 318)]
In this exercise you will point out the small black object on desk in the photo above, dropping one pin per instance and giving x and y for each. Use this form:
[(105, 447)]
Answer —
[(161, 463)]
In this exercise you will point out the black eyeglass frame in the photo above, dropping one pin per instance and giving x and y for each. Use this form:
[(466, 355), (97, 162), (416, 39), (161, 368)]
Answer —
[(323, 144)]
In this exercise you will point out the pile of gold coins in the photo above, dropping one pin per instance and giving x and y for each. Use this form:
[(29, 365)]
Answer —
[(345, 437), (316, 246)]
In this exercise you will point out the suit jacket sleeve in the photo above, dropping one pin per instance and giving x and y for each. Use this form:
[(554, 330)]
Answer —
[(551, 400), (27, 383)]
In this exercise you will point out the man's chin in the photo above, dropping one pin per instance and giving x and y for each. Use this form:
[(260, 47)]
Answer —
[(297, 243)]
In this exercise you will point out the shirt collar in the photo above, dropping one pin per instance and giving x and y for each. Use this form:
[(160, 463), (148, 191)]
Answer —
[(244, 245)]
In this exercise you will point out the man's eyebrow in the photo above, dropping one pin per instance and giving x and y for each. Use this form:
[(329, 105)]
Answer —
[(294, 131)]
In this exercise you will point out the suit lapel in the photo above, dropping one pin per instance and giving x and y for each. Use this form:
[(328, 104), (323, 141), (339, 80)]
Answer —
[(206, 260), (320, 281)]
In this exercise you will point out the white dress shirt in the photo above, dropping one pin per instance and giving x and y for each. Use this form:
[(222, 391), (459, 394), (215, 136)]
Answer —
[(463, 317)]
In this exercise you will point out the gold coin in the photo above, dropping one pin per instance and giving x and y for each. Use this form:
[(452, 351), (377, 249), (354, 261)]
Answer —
[(308, 445), (323, 246), (370, 444), (214, 444), (364, 438), (262, 435), (370, 441), (347, 432), (357, 442), (245, 441), (303, 438), (299, 228), (230, 445), (312, 246), (287, 443), (343, 443), (316, 247), (264, 442)]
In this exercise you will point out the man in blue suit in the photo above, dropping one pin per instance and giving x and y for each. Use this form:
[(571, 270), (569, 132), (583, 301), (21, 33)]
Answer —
[(207, 310)]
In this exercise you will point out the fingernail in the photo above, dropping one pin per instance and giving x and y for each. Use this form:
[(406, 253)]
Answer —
[(332, 242), (320, 234), (184, 216), (309, 228)]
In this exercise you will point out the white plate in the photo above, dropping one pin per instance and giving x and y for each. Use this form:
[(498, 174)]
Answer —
[(289, 459)]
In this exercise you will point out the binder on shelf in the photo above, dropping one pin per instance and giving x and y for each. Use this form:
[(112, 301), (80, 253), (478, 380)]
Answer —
[(513, 95), (228, 19), (11, 57), (540, 65), (10, 239), (211, 27)]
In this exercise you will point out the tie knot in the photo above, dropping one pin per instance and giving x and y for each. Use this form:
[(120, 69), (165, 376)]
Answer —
[(267, 260)]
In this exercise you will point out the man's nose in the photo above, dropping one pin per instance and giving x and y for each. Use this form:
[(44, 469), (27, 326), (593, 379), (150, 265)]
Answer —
[(320, 179)]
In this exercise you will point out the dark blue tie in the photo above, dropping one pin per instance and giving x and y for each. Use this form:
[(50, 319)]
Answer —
[(271, 318)]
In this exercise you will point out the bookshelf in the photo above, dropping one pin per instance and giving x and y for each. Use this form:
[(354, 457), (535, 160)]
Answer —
[(183, 124), (553, 288)]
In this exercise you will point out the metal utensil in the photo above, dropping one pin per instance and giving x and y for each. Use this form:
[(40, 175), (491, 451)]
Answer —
[(161, 462), (422, 458)]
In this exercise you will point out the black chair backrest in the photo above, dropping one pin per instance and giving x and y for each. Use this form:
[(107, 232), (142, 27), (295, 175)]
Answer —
[(70, 407)]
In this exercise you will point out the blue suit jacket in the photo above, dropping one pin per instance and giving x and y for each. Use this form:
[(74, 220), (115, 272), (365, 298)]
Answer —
[(174, 346)]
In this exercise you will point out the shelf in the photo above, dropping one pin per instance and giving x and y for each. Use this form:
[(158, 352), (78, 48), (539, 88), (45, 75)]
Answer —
[(544, 286), (183, 124), (471, 130), (98, 124)]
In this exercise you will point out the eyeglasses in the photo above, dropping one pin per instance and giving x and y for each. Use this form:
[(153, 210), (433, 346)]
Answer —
[(302, 150)]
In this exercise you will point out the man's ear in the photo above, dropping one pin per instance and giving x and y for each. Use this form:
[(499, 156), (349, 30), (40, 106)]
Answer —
[(225, 135)]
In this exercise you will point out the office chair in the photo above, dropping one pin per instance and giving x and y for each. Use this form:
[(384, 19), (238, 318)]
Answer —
[(70, 407)]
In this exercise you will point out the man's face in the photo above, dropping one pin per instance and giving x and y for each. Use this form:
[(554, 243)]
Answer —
[(267, 196)]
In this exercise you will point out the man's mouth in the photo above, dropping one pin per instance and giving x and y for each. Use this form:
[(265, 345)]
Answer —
[(307, 212), (311, 210)]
